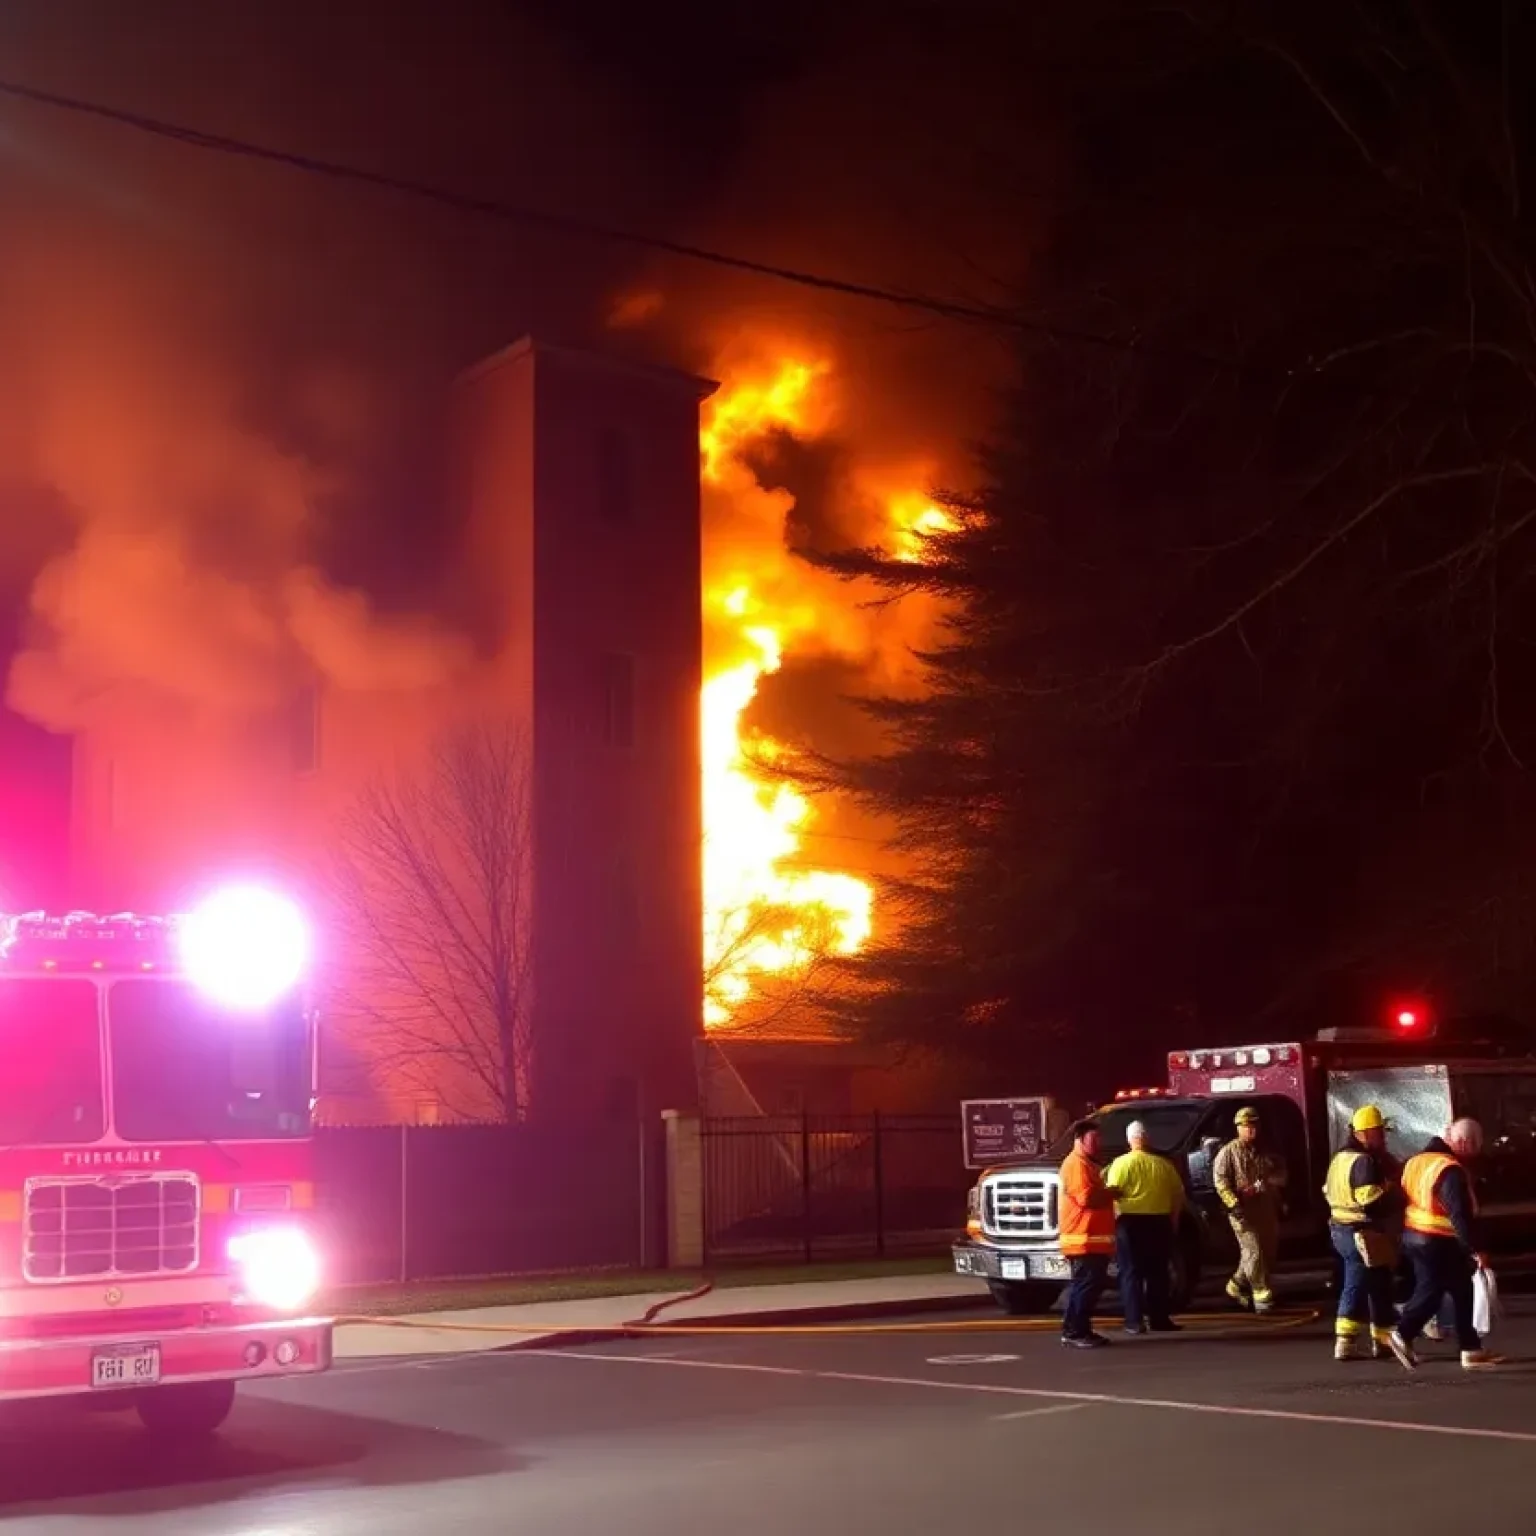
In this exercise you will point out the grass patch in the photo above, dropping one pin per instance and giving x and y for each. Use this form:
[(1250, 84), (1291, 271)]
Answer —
[(586, 1285)]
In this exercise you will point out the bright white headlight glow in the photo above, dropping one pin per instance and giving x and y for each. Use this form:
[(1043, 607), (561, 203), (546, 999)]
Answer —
[(278, 1265), (245, 946)]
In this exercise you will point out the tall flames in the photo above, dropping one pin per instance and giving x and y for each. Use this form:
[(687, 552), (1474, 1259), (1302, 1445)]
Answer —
[(770, 912)]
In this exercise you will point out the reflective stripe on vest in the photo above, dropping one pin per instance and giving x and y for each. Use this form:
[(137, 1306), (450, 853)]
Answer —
[(1343, 1199), (1421, 1175), (1084, 1229)]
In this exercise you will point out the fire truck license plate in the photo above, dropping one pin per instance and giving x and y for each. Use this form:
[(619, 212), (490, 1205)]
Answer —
[(135, 1365)]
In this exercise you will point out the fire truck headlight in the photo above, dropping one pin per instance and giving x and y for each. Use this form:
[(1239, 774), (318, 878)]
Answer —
[(245, 946), (278, 1266)]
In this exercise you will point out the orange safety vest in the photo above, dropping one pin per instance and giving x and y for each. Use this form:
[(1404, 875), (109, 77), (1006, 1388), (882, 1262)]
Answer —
[(1421, 1175), (1085, 1229)]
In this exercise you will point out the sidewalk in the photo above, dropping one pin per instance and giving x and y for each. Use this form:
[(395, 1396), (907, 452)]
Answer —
[(475, 1329)]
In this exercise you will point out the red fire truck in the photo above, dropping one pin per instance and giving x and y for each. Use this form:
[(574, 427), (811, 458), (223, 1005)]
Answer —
[(155, 1152), (1419, 1074)]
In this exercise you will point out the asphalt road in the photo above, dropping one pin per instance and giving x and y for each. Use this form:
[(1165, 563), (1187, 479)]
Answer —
[(764, 1436)]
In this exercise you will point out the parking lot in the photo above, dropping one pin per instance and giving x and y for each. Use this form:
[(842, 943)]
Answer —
[(1208, 1431)]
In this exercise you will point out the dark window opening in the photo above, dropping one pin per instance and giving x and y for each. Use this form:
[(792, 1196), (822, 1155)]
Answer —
[(619, 700), (615, 478)]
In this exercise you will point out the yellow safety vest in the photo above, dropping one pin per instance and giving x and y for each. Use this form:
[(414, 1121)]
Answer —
[(1346, 1203), (1421, 1174)]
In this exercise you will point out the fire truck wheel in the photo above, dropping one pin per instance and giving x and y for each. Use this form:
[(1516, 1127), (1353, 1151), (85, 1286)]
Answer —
[(190, 1408), (1019, 1298)]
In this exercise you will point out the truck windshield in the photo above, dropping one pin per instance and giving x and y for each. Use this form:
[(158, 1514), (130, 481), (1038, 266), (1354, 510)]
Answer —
[(50, 1088), (186, 1069), (1168, 1126)]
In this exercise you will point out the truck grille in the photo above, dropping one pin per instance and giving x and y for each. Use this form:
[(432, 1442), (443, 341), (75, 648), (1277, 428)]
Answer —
[(1020, 1205), (80, 1229)]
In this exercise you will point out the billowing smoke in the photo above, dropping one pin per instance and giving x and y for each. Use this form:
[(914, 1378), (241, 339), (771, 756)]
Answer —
[(887, 162), (208, 487)]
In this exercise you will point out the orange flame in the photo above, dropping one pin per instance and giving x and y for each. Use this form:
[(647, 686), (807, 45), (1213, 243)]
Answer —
[(765, 914)]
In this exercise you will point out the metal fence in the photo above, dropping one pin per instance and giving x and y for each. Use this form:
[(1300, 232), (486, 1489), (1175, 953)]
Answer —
[(819, 1187), (436, 1202)]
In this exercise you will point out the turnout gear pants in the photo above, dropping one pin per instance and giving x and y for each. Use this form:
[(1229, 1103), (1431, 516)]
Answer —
[(1366, 1313), (1257, 1229)]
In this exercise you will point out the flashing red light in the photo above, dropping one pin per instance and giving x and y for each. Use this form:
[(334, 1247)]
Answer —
[(1409, 1017)]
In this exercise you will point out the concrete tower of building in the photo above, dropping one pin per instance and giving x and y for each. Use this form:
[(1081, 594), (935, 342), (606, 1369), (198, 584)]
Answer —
[(581, 479)]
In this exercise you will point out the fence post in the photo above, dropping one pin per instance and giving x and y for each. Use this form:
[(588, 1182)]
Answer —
[(685, 1189), (879, 1192), (405, 1202), (805, 1179)]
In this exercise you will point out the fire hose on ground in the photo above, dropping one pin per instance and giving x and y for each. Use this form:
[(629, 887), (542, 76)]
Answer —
[(1217, 1324)]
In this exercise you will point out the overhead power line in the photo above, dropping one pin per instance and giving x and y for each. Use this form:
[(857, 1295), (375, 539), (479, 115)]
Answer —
[(587, 229), (513, 213)]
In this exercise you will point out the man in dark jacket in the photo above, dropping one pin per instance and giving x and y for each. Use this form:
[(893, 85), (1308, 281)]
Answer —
[(1440, 1240)]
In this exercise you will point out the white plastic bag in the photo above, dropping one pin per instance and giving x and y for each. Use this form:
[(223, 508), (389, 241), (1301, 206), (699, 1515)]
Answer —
[(1485, 1301)]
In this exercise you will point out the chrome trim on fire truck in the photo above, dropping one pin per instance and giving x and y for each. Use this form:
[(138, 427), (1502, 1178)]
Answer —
[(1021, 1203), (126, 1250)]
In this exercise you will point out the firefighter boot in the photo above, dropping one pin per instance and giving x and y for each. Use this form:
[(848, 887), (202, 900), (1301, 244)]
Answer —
[(1237, 1289), (1348, 1340), (1381, 1347)]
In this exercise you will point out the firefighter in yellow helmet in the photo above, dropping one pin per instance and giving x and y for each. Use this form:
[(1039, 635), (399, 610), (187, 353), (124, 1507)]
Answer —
[(1364, 1198), (1248, 1180)]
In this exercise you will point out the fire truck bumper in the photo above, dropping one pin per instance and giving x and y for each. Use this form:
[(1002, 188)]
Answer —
[(97, 1365), (1013, 1263)]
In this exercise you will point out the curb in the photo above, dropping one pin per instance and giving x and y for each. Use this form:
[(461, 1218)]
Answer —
[(848, 1312), (833, 1312)]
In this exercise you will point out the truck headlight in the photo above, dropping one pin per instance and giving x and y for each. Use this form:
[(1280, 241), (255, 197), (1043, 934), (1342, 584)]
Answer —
[(279, 1267)]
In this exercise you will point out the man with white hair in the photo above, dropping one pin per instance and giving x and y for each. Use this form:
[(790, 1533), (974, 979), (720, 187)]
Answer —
[(1149, 1198), (1440, 1241)]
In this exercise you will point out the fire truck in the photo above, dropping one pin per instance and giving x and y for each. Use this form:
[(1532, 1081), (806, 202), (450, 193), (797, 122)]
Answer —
[(1420, 1075), (155, 1158)]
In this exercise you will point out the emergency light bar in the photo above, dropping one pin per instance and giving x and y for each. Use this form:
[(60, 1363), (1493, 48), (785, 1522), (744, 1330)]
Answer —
[(1242, 1056), (244, 946), (1124, 1094)]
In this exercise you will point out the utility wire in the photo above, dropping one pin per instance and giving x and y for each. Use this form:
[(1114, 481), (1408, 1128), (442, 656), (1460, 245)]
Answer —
[(996, 318), (565, 224)]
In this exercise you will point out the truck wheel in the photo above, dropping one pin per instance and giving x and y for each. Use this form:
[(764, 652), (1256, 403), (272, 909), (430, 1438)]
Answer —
[(1183, 1275), (1023, 1298), (190, 1408)]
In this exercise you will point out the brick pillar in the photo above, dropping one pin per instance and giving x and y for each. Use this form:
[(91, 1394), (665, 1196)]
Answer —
[(685, 1189)]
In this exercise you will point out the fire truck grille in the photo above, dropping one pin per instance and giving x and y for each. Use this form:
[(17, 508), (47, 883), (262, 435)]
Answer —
[(83, 1229), (1020, 1205)]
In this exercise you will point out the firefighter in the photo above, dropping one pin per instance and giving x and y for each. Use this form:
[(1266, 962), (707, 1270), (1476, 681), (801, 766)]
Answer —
[(1364, 1201), (1440, 1241), (1087, 1226), (1151, 1196), (1247, 1179)]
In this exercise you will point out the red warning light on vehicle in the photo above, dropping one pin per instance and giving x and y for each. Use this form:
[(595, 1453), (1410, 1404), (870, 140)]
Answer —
[(1409, 1016)]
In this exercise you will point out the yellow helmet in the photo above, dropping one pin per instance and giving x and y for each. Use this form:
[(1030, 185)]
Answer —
[(1246, 1116), (1367, 1118)]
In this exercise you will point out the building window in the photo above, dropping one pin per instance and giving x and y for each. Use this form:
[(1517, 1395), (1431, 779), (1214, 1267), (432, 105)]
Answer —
[(618, 679), (304, 730), (615, 478)]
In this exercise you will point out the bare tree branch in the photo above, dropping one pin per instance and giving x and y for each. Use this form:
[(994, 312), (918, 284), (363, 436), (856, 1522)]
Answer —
[(430, 886)]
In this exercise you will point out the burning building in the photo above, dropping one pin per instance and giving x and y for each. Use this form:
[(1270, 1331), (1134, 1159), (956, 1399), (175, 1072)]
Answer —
[(662, 847), (578, 476)]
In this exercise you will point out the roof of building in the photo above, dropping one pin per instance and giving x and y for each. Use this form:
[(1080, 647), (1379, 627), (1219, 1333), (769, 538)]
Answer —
[(689, 383)]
